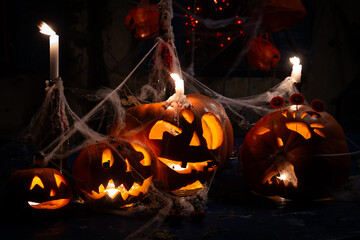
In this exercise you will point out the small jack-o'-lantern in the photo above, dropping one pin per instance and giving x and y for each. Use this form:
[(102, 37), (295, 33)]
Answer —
[(113, 174), (262, 54), (295, 152), (190, 144), (143, 20), (40, 189)]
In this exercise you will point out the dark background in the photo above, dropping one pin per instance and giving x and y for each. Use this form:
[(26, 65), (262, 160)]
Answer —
[(96, 50)]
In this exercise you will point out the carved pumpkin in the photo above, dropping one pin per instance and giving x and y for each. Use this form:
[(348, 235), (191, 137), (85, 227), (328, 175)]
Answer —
[(262, 54), (143, 20), (113, 174), (38, 189), (190, 144), (287, 153)]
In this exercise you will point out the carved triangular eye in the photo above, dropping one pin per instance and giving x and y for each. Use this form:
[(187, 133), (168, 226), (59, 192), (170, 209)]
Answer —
[(36, 181), (146, 161), (157, 131), (195, 141), (212, 131), (59, 179), (107, 159)]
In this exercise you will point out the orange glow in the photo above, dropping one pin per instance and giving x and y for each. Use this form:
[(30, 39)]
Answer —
[(51, 205), (188, 115), (212, 131), (147, 158), (316, 125), (304, 114), (192, 186), (284, 113), (156, 132), (112, 191), (59, 179), (176, 166), (107, 157), (294, 114), (52, 193), (300, 128), (36, 181), (320, 133), (261, 130), (128, 167), (280, 142), (195, 141)]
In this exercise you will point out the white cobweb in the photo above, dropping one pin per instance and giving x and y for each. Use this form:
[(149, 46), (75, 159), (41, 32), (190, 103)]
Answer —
[(59, 133), (70, 120)]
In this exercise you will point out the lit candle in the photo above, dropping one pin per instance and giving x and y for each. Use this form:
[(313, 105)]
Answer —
[(178, 100), (54, 50), (179, 85), (296, 69)]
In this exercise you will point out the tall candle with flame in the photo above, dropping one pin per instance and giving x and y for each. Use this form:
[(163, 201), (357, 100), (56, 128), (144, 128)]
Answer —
[(296, 69), (54, 50), (179, 84)]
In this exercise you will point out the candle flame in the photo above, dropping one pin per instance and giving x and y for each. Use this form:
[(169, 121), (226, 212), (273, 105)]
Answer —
[(175, 76), (295, 60), (282, 177), (45, 29)]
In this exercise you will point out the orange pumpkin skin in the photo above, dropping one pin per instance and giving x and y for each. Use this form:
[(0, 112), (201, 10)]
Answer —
[(263, 54), (119, 166), (280, 155), (143, 21), (38, 190), (178, 147)]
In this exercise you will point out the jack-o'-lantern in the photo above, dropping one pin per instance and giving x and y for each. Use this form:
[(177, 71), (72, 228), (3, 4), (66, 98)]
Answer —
[(113, 174), (190, 144), (262, 54), (143, 20), (296, 153), (38, 190)]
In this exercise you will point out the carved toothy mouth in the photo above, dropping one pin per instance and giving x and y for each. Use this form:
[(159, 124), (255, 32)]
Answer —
[(112, 191), (177, 166), (53, 204)]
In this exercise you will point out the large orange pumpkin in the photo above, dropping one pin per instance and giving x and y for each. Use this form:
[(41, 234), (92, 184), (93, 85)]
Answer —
[(295, 153), (37, 190), (190, 144), (113, 174)]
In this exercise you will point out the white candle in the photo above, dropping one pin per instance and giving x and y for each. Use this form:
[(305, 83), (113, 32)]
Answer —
[(54, 50), (296, 69), (179, 84)]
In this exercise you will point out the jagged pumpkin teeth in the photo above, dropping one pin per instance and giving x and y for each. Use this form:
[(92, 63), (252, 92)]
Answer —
[(124, 163)]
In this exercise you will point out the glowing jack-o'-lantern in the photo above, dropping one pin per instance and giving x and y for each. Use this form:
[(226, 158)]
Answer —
[(113, 174), (190, 144), (40, 189), (295, 152), (143, 20)]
